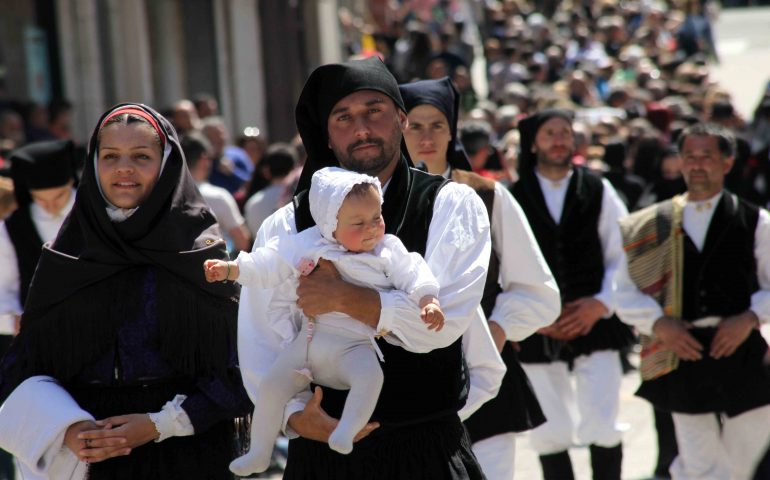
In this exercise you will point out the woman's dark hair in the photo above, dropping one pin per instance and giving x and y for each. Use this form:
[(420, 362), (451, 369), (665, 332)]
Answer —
[(725, 139), (128, 119)]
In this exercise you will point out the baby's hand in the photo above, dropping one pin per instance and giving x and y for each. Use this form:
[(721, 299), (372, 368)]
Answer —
[(433, 316), (306, 266), (215, 270)]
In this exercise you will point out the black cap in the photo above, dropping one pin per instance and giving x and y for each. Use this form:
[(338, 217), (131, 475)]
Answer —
[(42, 165), (327, 85), (441, 94)]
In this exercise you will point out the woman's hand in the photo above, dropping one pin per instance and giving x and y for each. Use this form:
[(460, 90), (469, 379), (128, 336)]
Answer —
[(88, 450), (135, 429)]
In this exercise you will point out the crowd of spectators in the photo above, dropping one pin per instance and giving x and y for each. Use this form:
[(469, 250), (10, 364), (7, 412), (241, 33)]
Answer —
[(635, 73)]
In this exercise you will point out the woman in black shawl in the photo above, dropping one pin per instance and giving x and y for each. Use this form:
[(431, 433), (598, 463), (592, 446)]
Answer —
[(120, 316)]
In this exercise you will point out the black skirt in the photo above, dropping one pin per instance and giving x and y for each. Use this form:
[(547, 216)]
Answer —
[(514, 409), (730, 385), (203, 456), (434, 450), (607, 334)]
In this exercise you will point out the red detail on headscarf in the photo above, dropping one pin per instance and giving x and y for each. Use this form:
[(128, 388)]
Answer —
[(140, 113)]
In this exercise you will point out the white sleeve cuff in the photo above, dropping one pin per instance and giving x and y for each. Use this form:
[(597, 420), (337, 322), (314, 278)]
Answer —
[(388, 309), (760, 305), (608, 302), (296, 404), (172, 420), (517, 333)]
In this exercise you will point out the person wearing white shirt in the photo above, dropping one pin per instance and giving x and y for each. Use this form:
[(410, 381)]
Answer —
[(520, 294), (719, 390), (573, 215), (352, 114), (43, 176)]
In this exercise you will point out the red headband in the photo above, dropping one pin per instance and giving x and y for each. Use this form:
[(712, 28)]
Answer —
[(140, 113)]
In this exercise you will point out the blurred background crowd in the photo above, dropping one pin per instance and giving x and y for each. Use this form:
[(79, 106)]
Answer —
[(635, 73)]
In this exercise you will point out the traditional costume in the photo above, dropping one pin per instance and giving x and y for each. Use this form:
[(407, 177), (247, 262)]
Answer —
[(520, 295), (575, 223), (120, 319), (336, 351), (701, 262), (40, 165), (425, 383)]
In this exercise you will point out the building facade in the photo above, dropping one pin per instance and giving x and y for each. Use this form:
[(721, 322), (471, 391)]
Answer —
[(252, 55)]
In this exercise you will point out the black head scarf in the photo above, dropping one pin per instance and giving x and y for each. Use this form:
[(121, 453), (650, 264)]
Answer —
[(73, 298), (327, 85), (528, 128), (615, 154), (442, 95), (42, 165)]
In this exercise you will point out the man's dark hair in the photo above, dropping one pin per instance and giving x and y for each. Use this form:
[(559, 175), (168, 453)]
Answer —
[(475, 135), (725, 138), (194, 145), (280, 159)]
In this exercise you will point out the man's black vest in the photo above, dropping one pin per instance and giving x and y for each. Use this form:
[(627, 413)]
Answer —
[(573, 250), (720, 280), (28, 245), (422, 386)]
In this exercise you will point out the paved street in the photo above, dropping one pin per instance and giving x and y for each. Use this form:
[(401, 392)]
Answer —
[(743, 43), (639, 448)]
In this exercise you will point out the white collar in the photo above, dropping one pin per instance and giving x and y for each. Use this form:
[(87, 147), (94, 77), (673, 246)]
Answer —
[(554, 184), (703, 206)]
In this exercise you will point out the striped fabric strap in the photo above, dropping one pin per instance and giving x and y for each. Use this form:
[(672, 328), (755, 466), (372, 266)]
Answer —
[(654, 245)]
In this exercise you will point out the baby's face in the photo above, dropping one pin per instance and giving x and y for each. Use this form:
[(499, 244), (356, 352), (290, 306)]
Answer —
[(360, 226)]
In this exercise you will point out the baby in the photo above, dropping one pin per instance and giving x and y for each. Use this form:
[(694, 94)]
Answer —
[(338, 351)]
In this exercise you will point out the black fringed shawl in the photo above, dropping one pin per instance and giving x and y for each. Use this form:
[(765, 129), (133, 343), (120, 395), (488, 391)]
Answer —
[(88, 282)]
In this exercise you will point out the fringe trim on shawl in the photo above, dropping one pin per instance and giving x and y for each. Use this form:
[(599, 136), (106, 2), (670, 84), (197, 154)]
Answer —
[(76, 332), (197, 329)]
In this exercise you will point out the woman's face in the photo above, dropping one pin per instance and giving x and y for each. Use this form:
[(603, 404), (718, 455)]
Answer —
[(129, 163)]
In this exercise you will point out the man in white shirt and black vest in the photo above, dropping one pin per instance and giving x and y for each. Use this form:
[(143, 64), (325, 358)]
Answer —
[(352, 115), (573, 215), (696, 279)]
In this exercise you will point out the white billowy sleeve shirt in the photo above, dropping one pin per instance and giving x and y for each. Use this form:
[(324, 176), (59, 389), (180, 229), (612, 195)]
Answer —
[(530, 297), (529, 300), (457, 253), (613, 209), (641, 310)]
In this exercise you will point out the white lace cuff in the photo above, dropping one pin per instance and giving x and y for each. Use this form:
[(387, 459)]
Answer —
[(172, 420)]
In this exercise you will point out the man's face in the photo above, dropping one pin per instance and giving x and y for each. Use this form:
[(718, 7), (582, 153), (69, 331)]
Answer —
[(554, 143), (427, 137), (365, 130), (703, 166), (52, 200)]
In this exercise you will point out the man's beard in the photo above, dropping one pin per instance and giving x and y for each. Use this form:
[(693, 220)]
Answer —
[(545, 159), (370, 165)]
